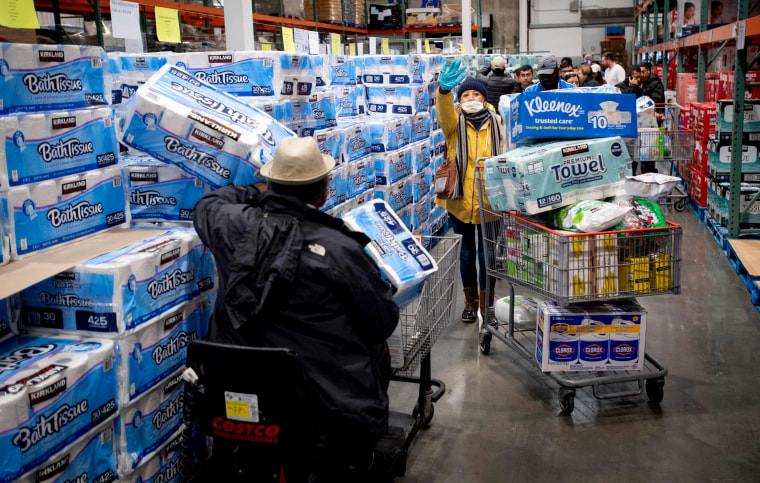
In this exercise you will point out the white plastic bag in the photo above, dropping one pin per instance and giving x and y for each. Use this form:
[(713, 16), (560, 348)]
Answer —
[(651, 186)]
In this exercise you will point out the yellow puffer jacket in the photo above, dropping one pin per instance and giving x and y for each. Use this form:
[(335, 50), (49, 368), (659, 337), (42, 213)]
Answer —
[(467, 207)]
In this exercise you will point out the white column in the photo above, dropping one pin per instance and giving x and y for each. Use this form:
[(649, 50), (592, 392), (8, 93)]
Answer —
[(524, 47), (238, 24), (467, 26)]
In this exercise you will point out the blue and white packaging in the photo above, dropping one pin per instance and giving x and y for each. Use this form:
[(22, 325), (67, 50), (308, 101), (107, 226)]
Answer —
[(433, 67), (341, 70), (57, 211), (358, 200), (420, 156), (420, 213), (392, 70), (240, 73), (599, 337), (8, 316), (392, 167), (434, 124), (52, 77), (569, 113), (724, 118), (121, 290), (390, 133), (90, 458), (280, 111), (361, 176), (156, 350), (180, 120), (359, 67), (330, 142), (361, 100), (398, 195), (543, 177), (401, 259), (421, 185), (5, 237), (337, 189), (164, 465), (53, 391), (321, 75), (160, 192), (438, 140), (357, 142), (147, 423), (36, 147), (298, 78), (323, 109), (420, 126), (301, 111), (397, 100), (130, 71), (345, 101)]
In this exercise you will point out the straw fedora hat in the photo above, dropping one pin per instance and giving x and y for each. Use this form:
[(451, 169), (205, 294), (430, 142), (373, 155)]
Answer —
[(297, 161)]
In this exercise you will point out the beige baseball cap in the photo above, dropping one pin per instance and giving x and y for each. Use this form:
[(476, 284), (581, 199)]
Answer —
[(498, 62), (297, 161)]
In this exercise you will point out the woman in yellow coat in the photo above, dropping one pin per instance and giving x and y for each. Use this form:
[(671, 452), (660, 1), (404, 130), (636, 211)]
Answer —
[(472, 131)]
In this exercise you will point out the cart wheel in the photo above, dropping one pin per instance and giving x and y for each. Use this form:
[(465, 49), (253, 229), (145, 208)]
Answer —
[(655, 390), (427, 417), (567, 401), (680, 205), (485, 341)]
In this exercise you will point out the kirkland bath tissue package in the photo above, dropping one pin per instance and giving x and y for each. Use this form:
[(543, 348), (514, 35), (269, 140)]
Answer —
[(323, 109), (543, 177), (572, 114), (145, 424), (52, 77), (36, 147), (421, 156), (599, 337), (390, 133), (398, 196), (124, 289), (357, 142), (52, 391), (392, 167), (401, 259), (298, 78), (156, 350), (5, 237), (242, 74), (330, 142), (129, 71), (346, 104), (392, 69), (160, 192), (56, 211), (179, 119), (341, 70), (420, 126), (361, 177), (165, 465), (397, 100), (91, 458), (337, 188)]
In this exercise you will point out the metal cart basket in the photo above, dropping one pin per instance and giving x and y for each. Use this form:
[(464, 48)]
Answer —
[(574, 268)]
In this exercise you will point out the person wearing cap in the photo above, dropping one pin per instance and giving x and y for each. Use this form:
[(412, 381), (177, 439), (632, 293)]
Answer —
[(596, 73), (292, 276), (499, 82), (548, 76), (473, 131)]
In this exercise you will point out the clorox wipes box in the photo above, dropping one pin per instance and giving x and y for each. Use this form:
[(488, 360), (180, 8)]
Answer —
[(598, 337)]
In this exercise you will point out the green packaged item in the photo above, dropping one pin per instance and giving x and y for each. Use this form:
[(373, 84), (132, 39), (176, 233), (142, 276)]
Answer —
[(588, 216), (645, 214)]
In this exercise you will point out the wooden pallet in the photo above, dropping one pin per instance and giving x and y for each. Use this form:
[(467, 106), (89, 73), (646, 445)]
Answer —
[(699, 211), (718, 232), (744, 256)]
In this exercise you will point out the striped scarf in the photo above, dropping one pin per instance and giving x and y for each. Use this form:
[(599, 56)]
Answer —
[(463, 144)]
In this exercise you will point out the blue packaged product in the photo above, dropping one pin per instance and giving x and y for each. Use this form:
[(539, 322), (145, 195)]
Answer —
[(397, 100), (90, 458), (420, 156), (178, 119), (129, 71), (56, 211), (298, 78), (121, 290), (401, 259), (165, 465), (300, 111), (357, 142), (322, 77), (155, 351), (280, 111), (438, 142), (390, 133), (323, 110), (420, 126), (345, 101), (392, 167), (361, 99), (361, 177), (6, 323), (54, 391), (392, 69), (240, 73), (432, 88), (337, 189), (421, 184), (330, 142), (52, 77), (434, 124), (359, 66), (433, 67), (342, 70), (150, 421), (420, 212), (160, 192), (398, 195)]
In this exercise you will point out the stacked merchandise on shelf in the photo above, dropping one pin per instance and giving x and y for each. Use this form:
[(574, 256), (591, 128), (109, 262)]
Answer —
[(474, 62)]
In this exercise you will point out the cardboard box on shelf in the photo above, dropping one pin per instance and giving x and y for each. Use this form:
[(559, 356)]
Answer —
[(726, 88), (422, 17)]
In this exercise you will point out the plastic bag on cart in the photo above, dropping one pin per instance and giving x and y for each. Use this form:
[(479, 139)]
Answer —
[(643, 214), (645, 113), (651, 186), (526, 311), (589, 216)]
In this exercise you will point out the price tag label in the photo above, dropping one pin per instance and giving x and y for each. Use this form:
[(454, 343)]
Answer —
[(352, 49), (18, 14), (288, 42), (241, 407), (462, 49), (337, 47), (427, 46), (386, 47), (167, 25), (266, 46)]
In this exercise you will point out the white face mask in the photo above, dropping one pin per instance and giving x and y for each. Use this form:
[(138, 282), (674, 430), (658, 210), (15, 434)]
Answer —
[(472, 107)]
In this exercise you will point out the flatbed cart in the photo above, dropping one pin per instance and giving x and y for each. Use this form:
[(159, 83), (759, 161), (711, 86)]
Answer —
[(545, 261), (420, 323)]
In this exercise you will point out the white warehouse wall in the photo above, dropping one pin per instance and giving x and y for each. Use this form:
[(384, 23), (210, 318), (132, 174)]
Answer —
[(562, 42)]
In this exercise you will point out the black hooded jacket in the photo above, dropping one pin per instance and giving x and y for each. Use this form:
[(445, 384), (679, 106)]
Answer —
[(652, 87), (292, 276)]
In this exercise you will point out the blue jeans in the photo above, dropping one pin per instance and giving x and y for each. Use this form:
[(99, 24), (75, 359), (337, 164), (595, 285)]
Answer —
[(471, 274)]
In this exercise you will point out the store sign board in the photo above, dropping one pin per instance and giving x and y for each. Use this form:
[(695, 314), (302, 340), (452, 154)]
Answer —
[(125, 19)]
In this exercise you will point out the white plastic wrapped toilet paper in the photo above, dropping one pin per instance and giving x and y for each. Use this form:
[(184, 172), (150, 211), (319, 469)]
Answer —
[(301, 111), (240, 73), (36, 147), (392, 167), (438, 140), (359, 200), (397, 100), (180, 120), (433, 67), (156, 350), (9, 314), (56, 211), (398, 195), (401, 259), (526, 311), (53, 391), (164, 465), (420, 156), (124, 289), (323, 109), (330, 142), (160, 192), (341, 70), (52, 77), (129, 71), (357, 142), (390, 133), (420, 126), (421, 184), (280, 111), (543, 177), (361, 176), (420, 212), (337, 189), (90, 458), (361, 99), (392, 69), (345, 101), (645, 115), (147, 423), (5, 237), (298, 78)]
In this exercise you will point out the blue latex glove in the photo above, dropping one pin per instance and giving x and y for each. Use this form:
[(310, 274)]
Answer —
[(452, 75)]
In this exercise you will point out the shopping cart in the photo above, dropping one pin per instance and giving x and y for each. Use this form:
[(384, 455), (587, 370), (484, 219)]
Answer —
[(574, 268), (660, 150)]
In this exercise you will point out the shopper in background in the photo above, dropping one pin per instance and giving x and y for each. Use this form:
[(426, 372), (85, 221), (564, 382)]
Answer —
[(572, 78), (548, 76), (472, 132), (499, 82), (586, 79), (632, 84), (651, 84), (565, 66), (596, 73), (525, 76), (615, 74), (291, 276), (587, 59)]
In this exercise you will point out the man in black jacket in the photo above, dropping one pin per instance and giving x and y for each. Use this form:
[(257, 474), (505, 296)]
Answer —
[(651, 85), (499, 82), (292, 276), (632, 84)]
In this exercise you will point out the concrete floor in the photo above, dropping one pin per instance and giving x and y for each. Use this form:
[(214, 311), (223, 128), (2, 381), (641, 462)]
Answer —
[(500, 419)]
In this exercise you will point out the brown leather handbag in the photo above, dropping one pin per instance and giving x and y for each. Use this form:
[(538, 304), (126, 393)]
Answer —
[(444, 182)]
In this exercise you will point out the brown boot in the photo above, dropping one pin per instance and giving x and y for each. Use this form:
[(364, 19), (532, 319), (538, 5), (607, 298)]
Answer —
[(470, 312), (490, 318)]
